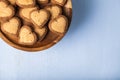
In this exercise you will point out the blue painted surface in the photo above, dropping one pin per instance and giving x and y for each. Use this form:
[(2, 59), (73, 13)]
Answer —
[(90, 50)]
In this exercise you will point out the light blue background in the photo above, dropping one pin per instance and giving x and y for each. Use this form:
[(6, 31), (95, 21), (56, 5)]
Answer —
[(90, 50)]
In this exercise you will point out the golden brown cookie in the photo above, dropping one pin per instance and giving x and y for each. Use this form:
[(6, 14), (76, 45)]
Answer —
[(39, 17), (12, 26), (26, 36), (54, 10), (68, 9), (59, 2), (13, 2), (25, 13), (25, 3), (41, 33), (43, 1), (6, 10), (68, 4), (59, 25)]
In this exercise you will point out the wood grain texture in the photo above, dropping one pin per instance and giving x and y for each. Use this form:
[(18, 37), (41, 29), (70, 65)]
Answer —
[(50, 40)]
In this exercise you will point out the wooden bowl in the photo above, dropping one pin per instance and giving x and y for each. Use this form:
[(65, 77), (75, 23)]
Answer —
[(50, 40)]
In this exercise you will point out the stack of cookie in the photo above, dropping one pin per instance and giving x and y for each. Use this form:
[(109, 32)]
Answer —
[(31, 20)]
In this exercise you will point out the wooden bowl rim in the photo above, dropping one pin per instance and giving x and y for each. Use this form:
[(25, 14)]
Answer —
[(30, 49)]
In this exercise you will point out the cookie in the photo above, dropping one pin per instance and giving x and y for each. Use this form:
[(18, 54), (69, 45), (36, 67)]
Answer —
[(68, 4), (6, 10), (25, 13), (59, 25), (59, 2), (55, 10), (12, 26), (13, 2), (39, 17), (25, 3), (26, 36), (68, 9), (41, 33), (43, 1)]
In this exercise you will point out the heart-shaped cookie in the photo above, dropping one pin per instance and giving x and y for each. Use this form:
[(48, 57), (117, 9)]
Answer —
[(25, 3), (59, 25), (39, 17), (12, 26), (55, 10), (6, 11), (25, 13), (26, 36), (59, 2), (41, 32)]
